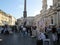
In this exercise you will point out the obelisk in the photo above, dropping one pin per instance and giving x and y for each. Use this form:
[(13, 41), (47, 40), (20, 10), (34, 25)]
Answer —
[(25, 13)]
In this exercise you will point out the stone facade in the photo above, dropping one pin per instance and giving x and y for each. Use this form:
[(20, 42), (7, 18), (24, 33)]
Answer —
[(36, 21), (13, 19), (20, 21), (49, 16), (5, 18), (53, 14), (29, 21)]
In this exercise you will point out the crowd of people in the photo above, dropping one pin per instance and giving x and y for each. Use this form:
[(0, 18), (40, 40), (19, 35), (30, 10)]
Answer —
[(51, 32), (6, 29)]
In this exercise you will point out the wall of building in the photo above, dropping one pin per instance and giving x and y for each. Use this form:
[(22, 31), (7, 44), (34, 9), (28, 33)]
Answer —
[(49, 16), (5, 18)]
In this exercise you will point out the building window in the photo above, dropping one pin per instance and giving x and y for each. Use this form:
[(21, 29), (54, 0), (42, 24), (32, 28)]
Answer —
[(51, 20)]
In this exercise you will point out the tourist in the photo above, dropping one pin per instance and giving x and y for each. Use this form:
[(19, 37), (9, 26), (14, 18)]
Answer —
[(58, 30), (54, 35), (6, 29), (40, 37), (34, 31), (24, 31)]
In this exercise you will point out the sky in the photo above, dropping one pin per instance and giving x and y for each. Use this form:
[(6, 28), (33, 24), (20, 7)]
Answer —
[(16, 7)]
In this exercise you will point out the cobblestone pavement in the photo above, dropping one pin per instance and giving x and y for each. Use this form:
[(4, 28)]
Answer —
[(17, 39)]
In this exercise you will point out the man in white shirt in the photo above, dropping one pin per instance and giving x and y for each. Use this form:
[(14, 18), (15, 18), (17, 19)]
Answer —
[(40, 38), (24, 30)]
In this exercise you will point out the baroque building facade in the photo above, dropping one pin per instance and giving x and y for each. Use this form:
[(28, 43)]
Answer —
[(49, 16), (52, 15)]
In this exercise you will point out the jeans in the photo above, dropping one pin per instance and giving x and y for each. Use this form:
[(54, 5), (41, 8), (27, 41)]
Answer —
[(24, 33)]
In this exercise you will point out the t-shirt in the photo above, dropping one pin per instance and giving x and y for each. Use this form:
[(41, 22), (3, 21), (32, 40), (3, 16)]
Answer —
[(54, 37), (24, 29), (34, 32), (41, 36)]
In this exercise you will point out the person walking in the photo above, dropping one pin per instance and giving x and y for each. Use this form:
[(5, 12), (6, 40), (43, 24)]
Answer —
[(2, 30), (54, 35), (58, 30), (6, 29), (34, 31), (24, 31), (40, 38)]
